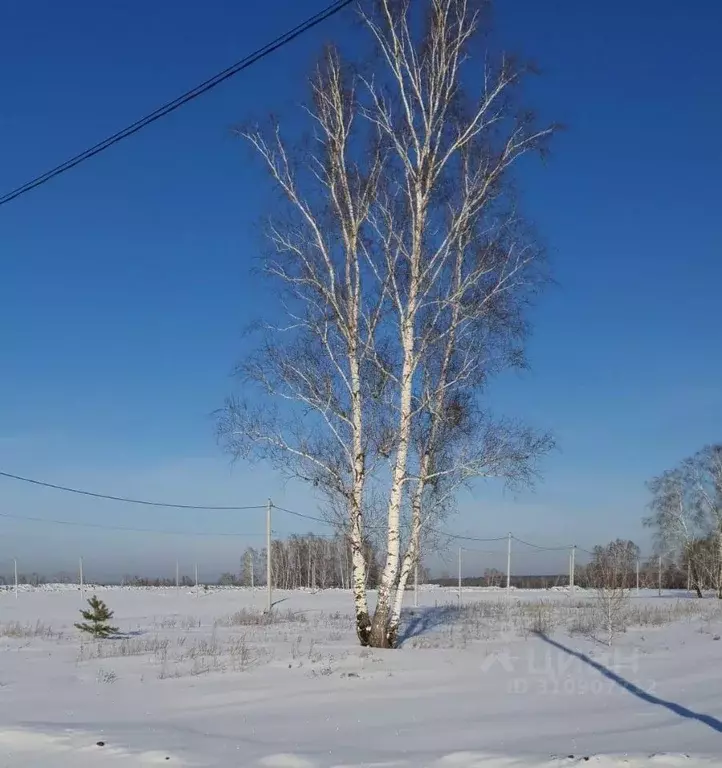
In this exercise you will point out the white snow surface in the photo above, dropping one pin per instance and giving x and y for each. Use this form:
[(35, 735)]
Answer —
[(203, 680)]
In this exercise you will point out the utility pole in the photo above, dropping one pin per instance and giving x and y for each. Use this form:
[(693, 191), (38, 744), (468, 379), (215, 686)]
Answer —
[(459, 577), (508, 567), (268, 557), (196, 579), (177, 575), (250, 567), (569, 569), (637, 577), (15, 563), (82, 584), (660, 576), (572, 566)]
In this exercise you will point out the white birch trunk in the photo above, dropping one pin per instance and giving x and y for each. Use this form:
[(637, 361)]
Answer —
[(379, 630), (410, 558)]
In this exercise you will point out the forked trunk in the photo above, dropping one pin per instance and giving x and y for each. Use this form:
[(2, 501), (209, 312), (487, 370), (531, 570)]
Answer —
[(412, 553), (395, 617), (363, 620), (380, 636)]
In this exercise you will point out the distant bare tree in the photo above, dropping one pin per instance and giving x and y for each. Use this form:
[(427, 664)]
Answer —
[(701, 559), (705, 472), (317, 562), (614, 564), (404, 271), (611, 573), (493, 577), (249, 567), (686, 512)]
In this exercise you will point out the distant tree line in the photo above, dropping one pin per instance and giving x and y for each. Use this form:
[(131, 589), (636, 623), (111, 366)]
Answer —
[(311, 561), (612, 565), (317, 562)]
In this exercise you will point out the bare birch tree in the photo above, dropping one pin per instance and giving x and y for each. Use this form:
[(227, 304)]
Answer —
[(686, 514), (674, 516), (705, 472), (405, 271), (611, 573)]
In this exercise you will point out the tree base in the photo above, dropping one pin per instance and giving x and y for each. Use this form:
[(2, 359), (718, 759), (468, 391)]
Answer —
[(363, 629), (381, 634)]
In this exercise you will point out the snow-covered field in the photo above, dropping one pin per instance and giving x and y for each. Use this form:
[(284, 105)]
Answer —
[(207, 680)]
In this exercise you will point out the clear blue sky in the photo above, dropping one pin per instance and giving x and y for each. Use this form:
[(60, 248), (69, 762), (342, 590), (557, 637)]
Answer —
[(126, 283)]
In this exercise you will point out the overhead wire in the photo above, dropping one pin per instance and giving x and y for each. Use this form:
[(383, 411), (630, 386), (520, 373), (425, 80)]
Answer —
[(483, 551), (302, 515), (460, 537), (180, 101), (235, 508), (127, 499), (581, 549), (536, 546)]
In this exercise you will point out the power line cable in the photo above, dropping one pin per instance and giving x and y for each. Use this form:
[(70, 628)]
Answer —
[(128, 500), (536, 546), (539, 551), (458, 537), (219, 508), (178, 102), (305, 517), (484, 551)]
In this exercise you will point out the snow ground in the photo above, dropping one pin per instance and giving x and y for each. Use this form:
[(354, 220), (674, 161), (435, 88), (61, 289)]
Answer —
[(204, 681)]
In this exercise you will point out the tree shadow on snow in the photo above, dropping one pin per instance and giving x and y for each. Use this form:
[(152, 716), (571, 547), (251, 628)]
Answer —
[(678, 709), (419, 621), (127, 635)]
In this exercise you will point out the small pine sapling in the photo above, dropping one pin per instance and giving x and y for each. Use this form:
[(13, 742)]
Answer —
[(97, 619)]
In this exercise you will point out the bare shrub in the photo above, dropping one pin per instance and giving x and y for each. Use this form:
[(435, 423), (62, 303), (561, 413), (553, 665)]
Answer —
[(540, 618), (167, 622), (166, 674), (133, 646), (204, 647), (240, 653), (247, 617), (105, 676), (203, 665), (296, 648), (649, 616), (584, 620), (15, 629)]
